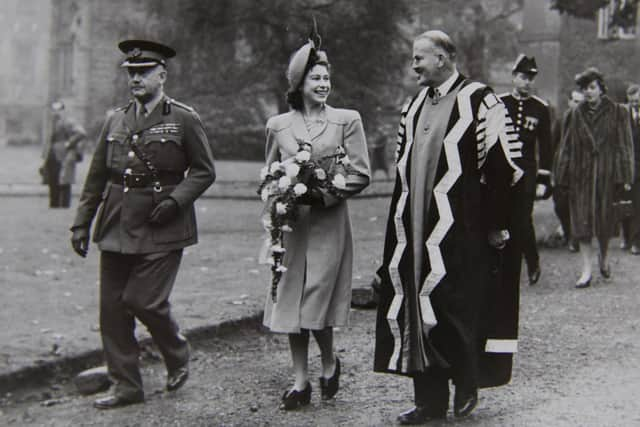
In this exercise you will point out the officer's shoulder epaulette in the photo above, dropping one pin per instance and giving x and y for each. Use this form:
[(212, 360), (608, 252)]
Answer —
[(542, 101), (504, 94), (124, 107), (181, 105)]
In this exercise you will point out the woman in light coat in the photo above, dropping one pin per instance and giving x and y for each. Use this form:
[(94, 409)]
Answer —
[(314, 293), (595, 164)]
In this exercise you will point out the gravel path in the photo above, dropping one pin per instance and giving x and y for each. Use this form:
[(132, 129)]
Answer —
[(578, 366)]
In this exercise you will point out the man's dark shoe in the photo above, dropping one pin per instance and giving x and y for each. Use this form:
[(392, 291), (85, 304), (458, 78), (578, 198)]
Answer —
[(418, 415), (534, 276), (464, 403), (177, 377), (113, 401)]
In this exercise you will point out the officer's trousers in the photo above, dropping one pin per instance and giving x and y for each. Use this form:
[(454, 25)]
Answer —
[(138, 286), (431, 390)]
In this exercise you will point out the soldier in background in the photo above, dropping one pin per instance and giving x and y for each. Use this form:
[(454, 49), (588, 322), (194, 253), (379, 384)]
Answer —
[(560, 197), (62, 151), (532, 121), (152, 161), (631, 225)]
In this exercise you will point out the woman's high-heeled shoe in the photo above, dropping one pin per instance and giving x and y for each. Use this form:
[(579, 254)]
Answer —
[(294, 399), (329, 386), (583, 284)]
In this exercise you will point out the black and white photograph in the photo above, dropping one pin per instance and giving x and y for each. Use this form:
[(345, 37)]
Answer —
[(320, 213)]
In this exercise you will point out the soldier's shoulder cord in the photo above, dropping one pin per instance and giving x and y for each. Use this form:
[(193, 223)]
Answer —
[(170, 101)]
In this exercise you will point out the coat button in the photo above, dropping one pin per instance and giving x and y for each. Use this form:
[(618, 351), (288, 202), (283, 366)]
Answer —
[(135, 137), (131, 154)]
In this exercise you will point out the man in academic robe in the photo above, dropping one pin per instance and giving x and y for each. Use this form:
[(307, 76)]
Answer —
[(447, 225)]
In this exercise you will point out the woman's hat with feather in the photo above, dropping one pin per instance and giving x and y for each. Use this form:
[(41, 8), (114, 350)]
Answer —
[(300, 59)]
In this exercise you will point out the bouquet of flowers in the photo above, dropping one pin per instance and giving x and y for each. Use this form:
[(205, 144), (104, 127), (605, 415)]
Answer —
[(292, 182)]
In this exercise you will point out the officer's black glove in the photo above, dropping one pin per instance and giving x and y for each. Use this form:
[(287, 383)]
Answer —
[(80, 241), (164, 212)]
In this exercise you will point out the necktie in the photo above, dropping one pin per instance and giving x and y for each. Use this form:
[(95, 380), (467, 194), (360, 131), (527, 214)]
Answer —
[(143, 112), (434, 94)]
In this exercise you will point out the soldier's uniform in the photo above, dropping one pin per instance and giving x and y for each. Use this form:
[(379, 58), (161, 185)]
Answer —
[(62, 152), (138, 163), (532, 122)]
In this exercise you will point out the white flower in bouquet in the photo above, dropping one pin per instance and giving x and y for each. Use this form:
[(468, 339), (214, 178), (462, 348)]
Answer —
[(291, 170), (274, 167), (278, 249), (345, 160), (299, 189), (339, 182), (284, 182), (286, 228), (320, 174), (281, 269), (264, 194), (281, 208), (303, 156), (263, 173), (266, 223)]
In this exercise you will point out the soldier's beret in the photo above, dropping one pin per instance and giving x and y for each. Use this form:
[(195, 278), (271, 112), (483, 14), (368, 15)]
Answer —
[(299, 62), (525, 64), (145, 53), (587, 76)]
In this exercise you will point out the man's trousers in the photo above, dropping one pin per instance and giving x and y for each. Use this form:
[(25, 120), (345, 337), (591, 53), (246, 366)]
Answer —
[(138, 286)]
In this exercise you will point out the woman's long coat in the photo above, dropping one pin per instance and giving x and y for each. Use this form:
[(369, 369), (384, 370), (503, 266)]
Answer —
[(315, 291), (596, 157)]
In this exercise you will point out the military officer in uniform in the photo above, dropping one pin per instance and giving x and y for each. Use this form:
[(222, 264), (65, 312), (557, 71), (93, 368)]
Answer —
[(532, 121), (151, 163), (62, 152)]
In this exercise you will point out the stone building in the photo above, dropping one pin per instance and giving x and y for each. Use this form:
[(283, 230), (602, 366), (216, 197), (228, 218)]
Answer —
[(24, 43), (66, 49), (565, 45)]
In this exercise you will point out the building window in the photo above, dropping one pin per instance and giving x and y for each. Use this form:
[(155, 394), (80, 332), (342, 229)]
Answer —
[(617, 20)]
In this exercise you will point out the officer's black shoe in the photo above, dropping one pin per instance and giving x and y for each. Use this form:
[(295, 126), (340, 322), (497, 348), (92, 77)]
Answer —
[(464, 402), (419, 415), (178, 377), (113, 401)]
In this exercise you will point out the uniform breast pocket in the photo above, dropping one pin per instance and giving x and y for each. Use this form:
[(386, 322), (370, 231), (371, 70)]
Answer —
[(166, 152), (116, 151)]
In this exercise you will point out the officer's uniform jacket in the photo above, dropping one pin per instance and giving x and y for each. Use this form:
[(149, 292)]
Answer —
[(173, 140), (532, 121)]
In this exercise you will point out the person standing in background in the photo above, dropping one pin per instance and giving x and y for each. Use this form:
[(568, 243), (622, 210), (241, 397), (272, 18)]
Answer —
[(559, 195), (595, 164), (631, 225), (62, 151), (532, 121)]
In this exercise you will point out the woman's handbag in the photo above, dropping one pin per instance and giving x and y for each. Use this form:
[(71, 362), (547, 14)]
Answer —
[(622, 205)]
